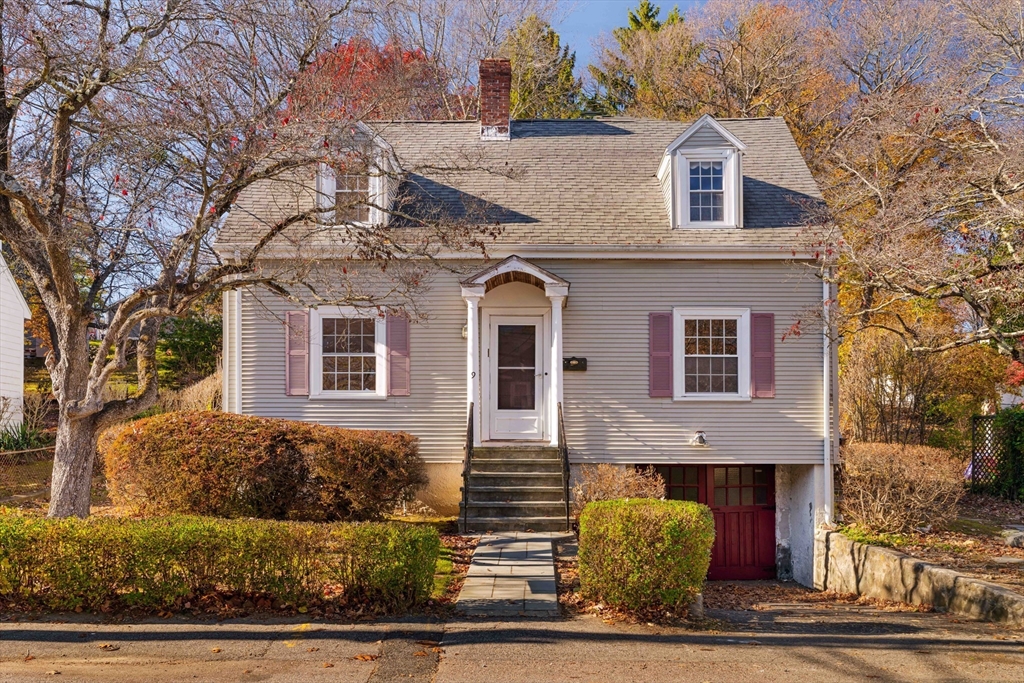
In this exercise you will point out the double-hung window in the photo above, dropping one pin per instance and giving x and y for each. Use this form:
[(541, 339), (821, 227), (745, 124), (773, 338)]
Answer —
[(348, 353), (348, 190), (352, 194), (712, 353), (707, 192)]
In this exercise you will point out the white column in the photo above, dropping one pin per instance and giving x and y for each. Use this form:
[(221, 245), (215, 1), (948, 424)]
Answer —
[(557, 301), (473, 355)]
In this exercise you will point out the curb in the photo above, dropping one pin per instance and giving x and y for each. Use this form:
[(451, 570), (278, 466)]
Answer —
[(846, 566)]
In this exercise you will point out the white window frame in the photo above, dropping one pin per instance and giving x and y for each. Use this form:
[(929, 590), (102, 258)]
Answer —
[(326, 189), (730, 193), (316, 364), (742, 318)]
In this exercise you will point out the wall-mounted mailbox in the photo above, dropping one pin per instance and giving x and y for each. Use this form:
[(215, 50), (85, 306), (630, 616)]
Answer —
[(574, 363)]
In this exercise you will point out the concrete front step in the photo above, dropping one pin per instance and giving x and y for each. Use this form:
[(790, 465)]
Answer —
[(483, 524), (516, 493), (517, 509), (514, 465), (516, 479), (519, 452)]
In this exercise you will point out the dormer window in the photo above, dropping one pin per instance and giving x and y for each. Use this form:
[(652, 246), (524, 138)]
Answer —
[(360, 186), (707, 195), (702, 178), (352, 195)]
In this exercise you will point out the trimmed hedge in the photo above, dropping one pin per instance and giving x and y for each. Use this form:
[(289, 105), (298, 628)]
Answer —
[(641, 553), (103, 562), (225, 465)]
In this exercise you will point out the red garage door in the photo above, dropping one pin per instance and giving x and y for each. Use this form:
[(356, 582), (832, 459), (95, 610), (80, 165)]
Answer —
[(742, 499)]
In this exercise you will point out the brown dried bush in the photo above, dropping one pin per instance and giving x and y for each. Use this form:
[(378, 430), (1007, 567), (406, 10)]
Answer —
[(226, 465), (890, 488), (611, 482)]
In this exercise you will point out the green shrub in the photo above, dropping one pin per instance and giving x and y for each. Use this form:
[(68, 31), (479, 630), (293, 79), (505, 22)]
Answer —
[(188, 347), (642, 553), (207, 463), (159, 563)]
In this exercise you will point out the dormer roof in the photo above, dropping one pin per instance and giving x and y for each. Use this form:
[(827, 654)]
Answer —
[(706, 121)]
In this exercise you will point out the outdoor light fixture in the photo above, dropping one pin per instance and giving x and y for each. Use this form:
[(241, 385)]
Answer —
[(465, 331), (699, 439)]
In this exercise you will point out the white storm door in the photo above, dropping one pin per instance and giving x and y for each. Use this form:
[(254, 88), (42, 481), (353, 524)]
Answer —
[(516, 388)]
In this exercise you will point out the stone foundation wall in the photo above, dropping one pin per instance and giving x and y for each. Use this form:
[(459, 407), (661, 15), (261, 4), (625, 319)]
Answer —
[(845, 566)]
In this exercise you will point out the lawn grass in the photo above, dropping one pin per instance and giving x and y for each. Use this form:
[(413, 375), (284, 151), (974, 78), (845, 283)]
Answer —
[(444, 573), (28, 478)]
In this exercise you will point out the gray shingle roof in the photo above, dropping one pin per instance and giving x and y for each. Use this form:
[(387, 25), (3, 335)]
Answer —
[(591, 181)]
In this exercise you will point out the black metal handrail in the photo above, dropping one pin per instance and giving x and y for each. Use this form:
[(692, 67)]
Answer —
[(467, 464), (563, 450)]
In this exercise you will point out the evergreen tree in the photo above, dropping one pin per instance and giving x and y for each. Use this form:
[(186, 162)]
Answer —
[(625, 75), (543, 83)]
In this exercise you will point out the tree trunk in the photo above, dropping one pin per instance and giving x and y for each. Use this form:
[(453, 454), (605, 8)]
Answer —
[(71, 484)]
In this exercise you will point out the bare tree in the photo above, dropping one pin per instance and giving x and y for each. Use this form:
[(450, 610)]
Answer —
[(132, 134), (925, 176), (455, 35)]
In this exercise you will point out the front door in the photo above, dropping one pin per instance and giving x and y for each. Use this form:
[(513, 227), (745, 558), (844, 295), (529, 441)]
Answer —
[(516, 386)]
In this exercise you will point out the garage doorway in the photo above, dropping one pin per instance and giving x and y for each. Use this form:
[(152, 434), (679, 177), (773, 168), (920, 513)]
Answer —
[(742, 500)]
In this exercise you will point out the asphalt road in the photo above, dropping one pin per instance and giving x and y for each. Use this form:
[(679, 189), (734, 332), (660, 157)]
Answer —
[(799, 642)]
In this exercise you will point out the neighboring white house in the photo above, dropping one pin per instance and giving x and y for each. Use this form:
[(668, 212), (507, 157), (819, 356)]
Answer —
[(644, 282), (14, 312)]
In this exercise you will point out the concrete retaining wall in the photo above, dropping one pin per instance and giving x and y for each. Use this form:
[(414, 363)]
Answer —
[(844, 566)]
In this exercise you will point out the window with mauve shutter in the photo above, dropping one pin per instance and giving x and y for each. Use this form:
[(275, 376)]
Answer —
[(296, 349), (399, 381), (762, 355), (660, 367)]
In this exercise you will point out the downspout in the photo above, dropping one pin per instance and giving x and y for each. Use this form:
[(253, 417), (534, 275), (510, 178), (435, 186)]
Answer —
[(834, 290), (225, 389), (826, 395), (238, 351)]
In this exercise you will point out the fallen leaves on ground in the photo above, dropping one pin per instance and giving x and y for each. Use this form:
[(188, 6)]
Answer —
[(973, 543), (765, 595), (29, 658), (365, 657), (328, 665), (421, 653), (312, 649), (109, 647), (215, 649)]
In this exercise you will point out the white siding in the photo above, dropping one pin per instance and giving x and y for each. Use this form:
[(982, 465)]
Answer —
[(435, 410), (12, 343), (609, 415)]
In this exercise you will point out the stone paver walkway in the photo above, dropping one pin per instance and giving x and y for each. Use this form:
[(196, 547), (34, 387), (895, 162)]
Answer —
[(512, 574)]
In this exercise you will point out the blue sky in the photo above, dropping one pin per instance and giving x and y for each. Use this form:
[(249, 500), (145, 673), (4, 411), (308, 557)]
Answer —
[(585, 20)]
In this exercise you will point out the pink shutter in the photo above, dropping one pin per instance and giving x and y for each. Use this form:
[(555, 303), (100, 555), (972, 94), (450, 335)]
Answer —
[(762, 355), (296, 353), (398, 356), (660, 367)]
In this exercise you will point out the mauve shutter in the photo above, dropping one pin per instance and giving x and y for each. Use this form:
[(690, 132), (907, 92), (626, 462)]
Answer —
[(762, 353), (296, 353), (660, 329), (398, 356)]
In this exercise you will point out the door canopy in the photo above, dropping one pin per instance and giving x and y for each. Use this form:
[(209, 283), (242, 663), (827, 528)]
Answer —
[(514, 269)]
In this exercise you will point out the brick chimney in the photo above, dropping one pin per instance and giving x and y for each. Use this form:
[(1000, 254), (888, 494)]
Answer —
[(495, 85)]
